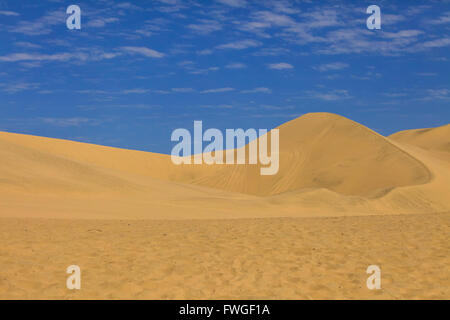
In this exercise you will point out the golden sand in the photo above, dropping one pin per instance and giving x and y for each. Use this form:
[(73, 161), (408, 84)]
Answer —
[(141, 227), (272, 258)]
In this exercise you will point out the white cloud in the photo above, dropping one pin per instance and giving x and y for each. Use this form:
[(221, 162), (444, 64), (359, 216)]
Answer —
[(426, 74), (185, 63), (284, 7), (438, 94), (271, 52), (9, 13), (323, 18), (69, 122), (202, 71), (268, 18), (357, 41), (331, 66), (438, 43), (100, 22), (235, 65), (218, 90), (205, 26), (41, 25), (390, 19), (28, 45), (234, 3), (150, 53), (81, 55), (182, 90), (128, 5), (444, 19), (257, 90), (14, 57), (18, 86), (205, 52), (240, 45), (271, 107), (135, 91), (402, 34), (280, 66), (333, 95)]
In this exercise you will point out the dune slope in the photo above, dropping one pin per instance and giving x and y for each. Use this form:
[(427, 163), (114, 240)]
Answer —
[(436, 139), (323, 150), (329, 165)]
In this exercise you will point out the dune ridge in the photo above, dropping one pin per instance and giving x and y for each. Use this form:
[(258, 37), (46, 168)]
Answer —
[(430, 138), (315, 153), (329, 165)]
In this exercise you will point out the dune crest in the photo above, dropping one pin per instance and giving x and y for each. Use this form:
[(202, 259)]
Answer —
[(324, 150), (436, 139), (329, 165)]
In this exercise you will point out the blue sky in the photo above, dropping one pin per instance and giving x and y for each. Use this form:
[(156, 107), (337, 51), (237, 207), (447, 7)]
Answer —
[(138, 70)]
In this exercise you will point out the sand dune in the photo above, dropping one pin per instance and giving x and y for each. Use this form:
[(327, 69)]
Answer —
[(323, 150), (329, 165), (436, 139), (141, 227)]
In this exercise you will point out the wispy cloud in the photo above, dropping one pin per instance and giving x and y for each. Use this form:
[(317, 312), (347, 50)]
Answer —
[(136, 91), (83, 55), (18, 86), (426, 74), (14, 57), (236, 65), (333, 95), (272, 107), (70, 122), (234, 3), (334, 66), (40, 26), (144, 51), (205, 26), (240, 45), (402, 34), (182, 90), (257, 90), (391, 19), (28, 45), (9, 13), (202, 71), (438, 43), (271, 52), (100, 22), (127, 5), (444, 19), (437, 94), (218, 90), (280, 66), (205, 52)]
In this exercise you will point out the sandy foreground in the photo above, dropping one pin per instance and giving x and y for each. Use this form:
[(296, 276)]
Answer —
[(274, 258)]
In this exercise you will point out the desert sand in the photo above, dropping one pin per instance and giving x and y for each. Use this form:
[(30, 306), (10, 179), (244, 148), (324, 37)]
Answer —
[(141, 227)]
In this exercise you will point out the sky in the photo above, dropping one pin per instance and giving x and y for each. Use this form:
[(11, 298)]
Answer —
[(136, 71)]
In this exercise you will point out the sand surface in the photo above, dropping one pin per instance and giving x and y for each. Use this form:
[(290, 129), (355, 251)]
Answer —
[(429, 138), (275, 258), (141, 227)]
